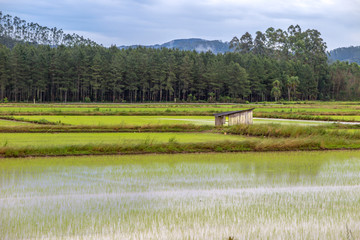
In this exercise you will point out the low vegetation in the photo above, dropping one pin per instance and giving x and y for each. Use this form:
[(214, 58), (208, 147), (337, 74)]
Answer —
[(34, 140), (259, 137), (241, 174), (291, 131), (106, 128), (172, 146), (326, 111)]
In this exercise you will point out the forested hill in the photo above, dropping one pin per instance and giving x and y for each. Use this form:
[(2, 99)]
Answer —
[(48, 65), (14, 30), (345, 54), (197, 44)]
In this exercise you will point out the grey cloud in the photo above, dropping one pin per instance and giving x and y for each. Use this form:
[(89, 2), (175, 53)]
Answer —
[(157, 21)]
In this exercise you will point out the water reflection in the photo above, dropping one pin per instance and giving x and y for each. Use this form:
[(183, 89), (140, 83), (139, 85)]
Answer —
[(181, 171), (263, 194), (291, 166)]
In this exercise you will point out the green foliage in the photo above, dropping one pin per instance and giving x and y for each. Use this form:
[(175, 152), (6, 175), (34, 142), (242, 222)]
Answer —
[(345, 80), (149, 145), (275, 91), (82, 73), (291, 84), (14, 30), (172, 140), (79, 70)]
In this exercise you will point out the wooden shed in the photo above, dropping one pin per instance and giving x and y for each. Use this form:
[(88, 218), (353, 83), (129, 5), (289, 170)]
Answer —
[(234, 117)]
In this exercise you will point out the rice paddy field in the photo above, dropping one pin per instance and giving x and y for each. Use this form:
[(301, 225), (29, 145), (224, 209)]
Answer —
[(98, 177), (65, 139), (122, 120), (169, 113), (143, 120), (293, 195), (321, 108), (9, 123)]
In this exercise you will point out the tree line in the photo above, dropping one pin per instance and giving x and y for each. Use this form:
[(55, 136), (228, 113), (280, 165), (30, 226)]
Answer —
[(14, 29), (277, 64)]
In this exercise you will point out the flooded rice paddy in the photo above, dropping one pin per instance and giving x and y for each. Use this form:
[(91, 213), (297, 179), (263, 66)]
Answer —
[(291, 195)]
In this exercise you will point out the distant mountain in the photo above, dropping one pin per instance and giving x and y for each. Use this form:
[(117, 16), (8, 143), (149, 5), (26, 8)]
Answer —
[(9, 42), (197, 44), (349, 54)]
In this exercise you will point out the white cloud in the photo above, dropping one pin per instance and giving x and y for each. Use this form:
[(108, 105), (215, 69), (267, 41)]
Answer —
[(158, 21)]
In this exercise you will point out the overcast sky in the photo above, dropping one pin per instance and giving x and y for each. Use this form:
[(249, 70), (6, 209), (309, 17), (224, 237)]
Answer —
[(146, 22)]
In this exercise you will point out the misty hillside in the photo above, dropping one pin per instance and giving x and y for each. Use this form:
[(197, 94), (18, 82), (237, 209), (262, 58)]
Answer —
[(349, 54), (197, 44)]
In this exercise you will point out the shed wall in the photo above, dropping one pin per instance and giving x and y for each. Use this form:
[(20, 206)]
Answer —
[(241, 118), (219, 121)]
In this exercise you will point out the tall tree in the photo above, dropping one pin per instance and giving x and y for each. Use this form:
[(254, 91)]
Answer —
[(238, 81), (276, 90), (4, 71), (246, 43), (96, 75), (185, 76), (116, 85), (259, 44), (291, 84)]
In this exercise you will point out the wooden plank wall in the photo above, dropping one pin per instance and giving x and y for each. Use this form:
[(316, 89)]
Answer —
[(241, 118), (219, 121)]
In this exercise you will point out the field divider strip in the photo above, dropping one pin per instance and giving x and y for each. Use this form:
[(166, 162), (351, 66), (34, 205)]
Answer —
[(258, 145)]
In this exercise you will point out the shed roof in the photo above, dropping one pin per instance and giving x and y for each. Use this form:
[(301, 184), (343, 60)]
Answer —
[(232, 112)]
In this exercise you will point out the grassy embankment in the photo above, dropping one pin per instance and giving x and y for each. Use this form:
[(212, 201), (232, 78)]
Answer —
[(308, 111), (260, 137)]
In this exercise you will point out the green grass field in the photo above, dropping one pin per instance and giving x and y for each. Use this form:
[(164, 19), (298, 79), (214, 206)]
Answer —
[(327, 108), (347, 118), (293, 195), (9, 123), (66, 139), (118, 109), (123, 120), (143, 120), (289, 122)]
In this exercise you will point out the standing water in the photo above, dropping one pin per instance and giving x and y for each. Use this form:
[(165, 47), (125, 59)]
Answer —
[(290, 195)]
